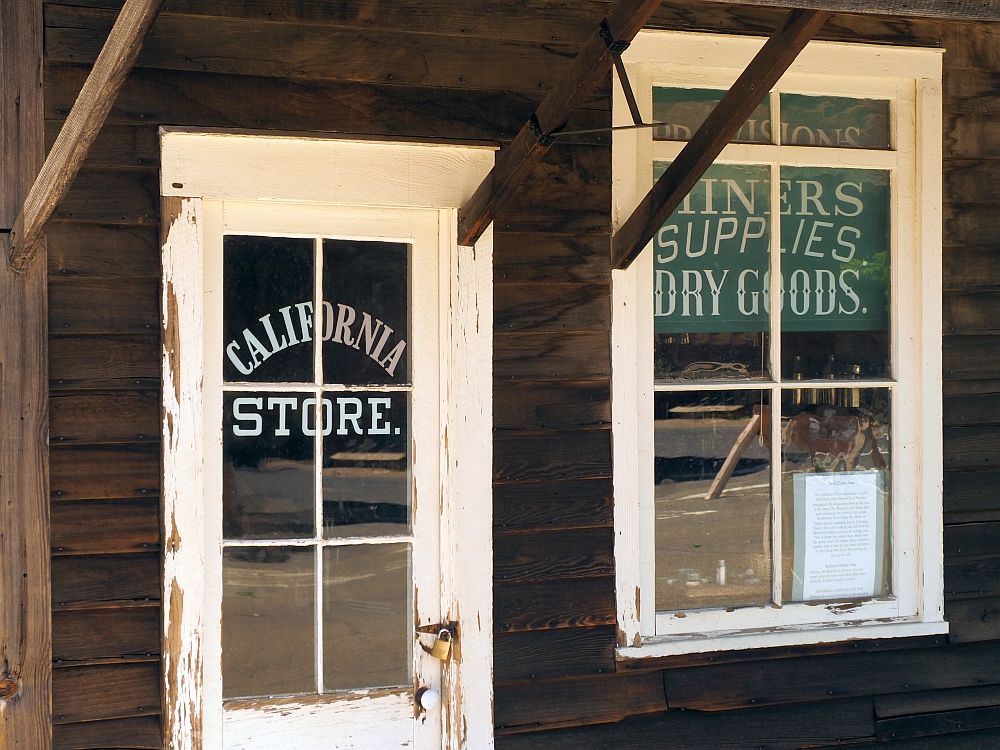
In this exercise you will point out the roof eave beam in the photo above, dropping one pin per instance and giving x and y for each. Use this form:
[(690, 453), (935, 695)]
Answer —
[(517, 160), (721, 126), (947, 10), (82, 125)]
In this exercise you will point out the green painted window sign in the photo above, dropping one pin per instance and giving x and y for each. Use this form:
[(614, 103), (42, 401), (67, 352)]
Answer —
[(827, 121), (711, 259), (682, 111), (834, 121)]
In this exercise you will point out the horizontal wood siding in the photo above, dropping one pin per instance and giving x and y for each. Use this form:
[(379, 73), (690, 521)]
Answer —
[(461, 70)]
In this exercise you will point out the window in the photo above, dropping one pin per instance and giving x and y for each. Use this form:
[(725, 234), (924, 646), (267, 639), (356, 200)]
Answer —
[(776, 373)]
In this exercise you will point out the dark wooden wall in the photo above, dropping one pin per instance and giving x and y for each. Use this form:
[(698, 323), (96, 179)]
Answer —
[(473, 69)]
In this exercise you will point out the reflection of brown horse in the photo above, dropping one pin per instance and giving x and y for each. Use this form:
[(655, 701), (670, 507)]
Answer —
[(832, 440)]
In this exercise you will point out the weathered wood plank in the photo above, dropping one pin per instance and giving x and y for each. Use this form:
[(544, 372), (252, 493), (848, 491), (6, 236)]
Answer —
[(971, 269), (111, 196), (105, 692), (972, 313), (908, 704), (979, 409), (552, 504), (719, 128), (526, 257), (105, 633), (956, 10), (551, 307), (105, 472), (985, 740), (553, 653), (201, 99), (103, 251), (101, 579), (688, 15), (567, 455), (838, 723), (973, 620), (25, 634), (971, 46), (102, 526), (971, 496), (104, 418), (142, 733), (972, 540), (307, 51), (551, 605), (971, 358), (533, 706), (794, 680), (113, 60), (100, 306), (552, 406), (971, 181), (971, 447), (553, 555), (103, 362), (558, 21), (116, 146), (969, 136), (520, 357), (972, 579)]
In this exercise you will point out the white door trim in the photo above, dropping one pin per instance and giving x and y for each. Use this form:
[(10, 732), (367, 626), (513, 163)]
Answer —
[(198, 166)]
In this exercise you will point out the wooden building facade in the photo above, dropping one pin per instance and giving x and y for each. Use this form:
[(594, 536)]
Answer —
[(464, 72)]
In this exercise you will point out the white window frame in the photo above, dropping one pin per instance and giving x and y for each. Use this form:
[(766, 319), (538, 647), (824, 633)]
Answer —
[(911, 79), (199, 171)]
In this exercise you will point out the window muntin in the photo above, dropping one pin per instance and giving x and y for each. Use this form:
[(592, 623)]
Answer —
[(906, 591)]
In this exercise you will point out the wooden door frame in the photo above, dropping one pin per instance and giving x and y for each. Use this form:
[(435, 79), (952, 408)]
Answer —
[(199, 165)]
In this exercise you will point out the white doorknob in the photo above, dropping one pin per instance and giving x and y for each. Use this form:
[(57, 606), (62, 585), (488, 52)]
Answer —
[(429, 698)]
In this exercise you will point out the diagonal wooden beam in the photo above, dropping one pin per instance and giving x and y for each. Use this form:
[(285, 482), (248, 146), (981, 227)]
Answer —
[(953, 10), (721, 126), (517, 160), (80, 129)]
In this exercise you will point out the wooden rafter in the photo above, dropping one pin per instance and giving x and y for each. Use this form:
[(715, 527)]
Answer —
[(721, 126), (80, 129), (954, 10), (517, 160)]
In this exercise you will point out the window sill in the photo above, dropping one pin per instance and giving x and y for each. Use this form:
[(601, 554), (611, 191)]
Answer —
[(700, 643)]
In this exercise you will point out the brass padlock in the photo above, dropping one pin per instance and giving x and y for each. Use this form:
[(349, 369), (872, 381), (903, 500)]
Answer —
[(442, 645)]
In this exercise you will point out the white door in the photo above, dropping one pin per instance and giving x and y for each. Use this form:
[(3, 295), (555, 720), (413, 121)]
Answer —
[(322, 395), (326, 444)]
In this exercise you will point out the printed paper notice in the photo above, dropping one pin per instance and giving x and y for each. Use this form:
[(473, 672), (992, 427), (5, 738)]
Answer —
[(838, 535)]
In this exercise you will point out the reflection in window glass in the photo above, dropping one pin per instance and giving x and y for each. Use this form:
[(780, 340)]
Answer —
[(712, 499), (365, 486), (267, 309), (835, 273), (836, 493), (682, 111), (834, 121), (267, 470), (366, 616), (365, 318), (268, 621), (710, 278)]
